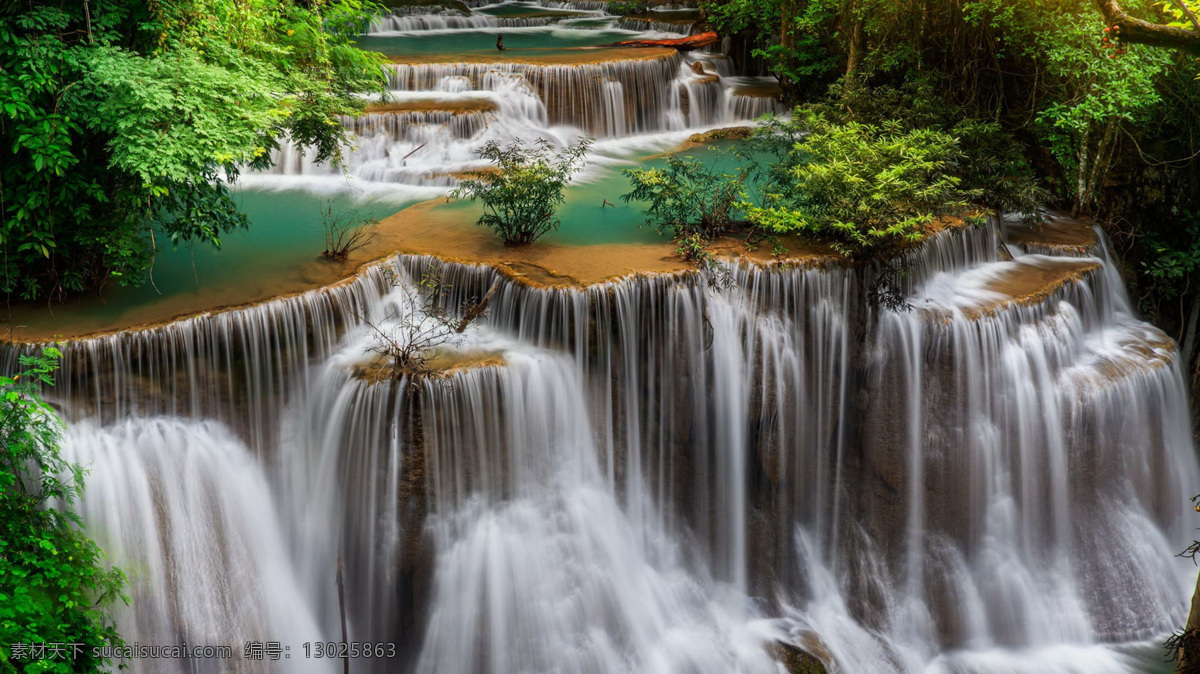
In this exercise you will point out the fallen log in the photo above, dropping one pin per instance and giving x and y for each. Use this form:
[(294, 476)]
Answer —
[(681, 43)]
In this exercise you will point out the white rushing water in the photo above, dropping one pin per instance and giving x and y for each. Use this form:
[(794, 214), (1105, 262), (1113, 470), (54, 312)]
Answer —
[(660, 476)]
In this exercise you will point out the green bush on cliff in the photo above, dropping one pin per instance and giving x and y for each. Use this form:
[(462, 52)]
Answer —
[(867, 191), (53, 588), (523, 192)]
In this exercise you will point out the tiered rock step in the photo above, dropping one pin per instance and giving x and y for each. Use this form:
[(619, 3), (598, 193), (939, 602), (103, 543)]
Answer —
[(1055, 235), (462, 117), (541, 57), (1030, 282), (752, 97), (1026, 282), (666, 21), (455, 106), (443, 364)]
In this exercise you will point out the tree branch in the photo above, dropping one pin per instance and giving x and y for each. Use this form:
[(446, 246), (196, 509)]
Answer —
[(1144, 32), (1187, 11)]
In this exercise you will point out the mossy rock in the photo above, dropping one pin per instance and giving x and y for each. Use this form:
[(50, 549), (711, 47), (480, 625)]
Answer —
[(797, 661), (730, 133), (452, 5)]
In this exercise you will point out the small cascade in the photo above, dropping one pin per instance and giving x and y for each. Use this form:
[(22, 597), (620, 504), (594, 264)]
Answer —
[(574, 95), (237, 367), (402, 22), (640, 24), (410, 23), (702, 96), (412, 127), (753, 97)]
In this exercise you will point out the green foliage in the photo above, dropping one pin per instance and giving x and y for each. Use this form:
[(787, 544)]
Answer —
[(1173, 257), (123, 117), (522, 194), (868, 191), (689, 199), (992, 164), (53, 587), (994, 169), (797, 41), (627, 7)]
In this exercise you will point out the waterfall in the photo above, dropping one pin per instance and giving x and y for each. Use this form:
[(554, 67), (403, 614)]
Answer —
[(703, 99), (573, 94), (408, 22), (661, 473), (440, 111), (644, 24), (189, 514), (535, 551)]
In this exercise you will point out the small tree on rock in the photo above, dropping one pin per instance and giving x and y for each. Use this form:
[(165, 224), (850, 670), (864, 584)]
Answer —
[(520, 198)]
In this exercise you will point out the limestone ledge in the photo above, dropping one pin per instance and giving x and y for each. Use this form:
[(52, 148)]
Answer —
[(433, 228), (543, 57), (455, 106)]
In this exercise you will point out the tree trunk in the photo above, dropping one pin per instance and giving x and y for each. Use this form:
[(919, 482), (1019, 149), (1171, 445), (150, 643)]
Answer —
[(858, 39), (1189, 660), (787, 22)]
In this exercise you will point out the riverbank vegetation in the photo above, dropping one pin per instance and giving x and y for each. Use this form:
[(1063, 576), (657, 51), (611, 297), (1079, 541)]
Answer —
[(54, 587), (1089, 106), (125, 120)]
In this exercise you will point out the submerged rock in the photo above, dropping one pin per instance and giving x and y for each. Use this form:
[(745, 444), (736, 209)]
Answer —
[(728, 133), (796, 660)]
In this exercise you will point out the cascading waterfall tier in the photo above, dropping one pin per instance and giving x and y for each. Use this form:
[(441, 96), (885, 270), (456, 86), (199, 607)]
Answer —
[(409, 22), (604, 98), (554, 94), (642, 23), (660, 474)]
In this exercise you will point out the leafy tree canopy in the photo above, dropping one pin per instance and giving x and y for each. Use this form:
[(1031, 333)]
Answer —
[(123, 118)]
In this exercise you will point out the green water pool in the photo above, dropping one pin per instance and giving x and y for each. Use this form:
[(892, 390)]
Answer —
[(281, 248)]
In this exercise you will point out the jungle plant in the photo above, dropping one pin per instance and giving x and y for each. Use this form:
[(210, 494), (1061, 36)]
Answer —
[(422, 322), (866, 191), (688, 198), (522, 194), (53, 585)]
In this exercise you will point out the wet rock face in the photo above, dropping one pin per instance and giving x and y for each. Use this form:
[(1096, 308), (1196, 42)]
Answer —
[(797, 661)]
